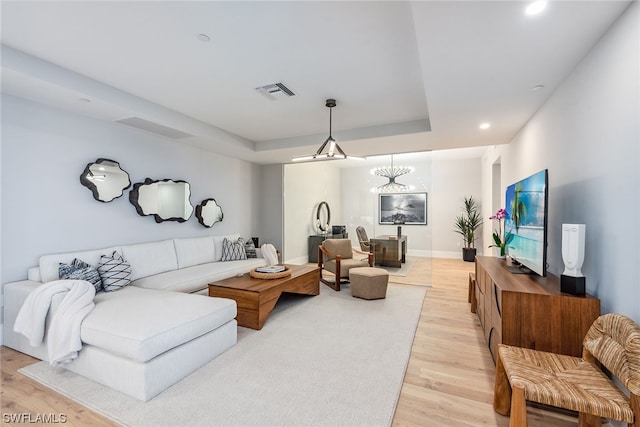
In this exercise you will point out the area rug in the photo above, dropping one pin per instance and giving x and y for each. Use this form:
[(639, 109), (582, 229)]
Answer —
[(328, 360), (403, 270)]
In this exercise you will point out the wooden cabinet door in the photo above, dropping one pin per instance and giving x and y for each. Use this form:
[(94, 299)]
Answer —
[(495, 336), (488, 312), (480, 295)]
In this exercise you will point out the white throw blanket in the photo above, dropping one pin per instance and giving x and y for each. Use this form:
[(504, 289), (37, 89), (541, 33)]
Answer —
[(63, 336)]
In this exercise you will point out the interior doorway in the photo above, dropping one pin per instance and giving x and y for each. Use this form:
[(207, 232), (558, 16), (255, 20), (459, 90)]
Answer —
[(497, 193)]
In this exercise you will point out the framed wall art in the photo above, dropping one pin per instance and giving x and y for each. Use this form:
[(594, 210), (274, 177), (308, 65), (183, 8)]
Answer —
[(402, 208)]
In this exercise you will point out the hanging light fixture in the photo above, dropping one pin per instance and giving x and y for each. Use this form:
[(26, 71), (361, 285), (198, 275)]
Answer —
[(392, 172), (334, 152)]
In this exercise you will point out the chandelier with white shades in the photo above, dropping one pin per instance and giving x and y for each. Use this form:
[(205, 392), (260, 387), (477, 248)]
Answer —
[(392, 172)]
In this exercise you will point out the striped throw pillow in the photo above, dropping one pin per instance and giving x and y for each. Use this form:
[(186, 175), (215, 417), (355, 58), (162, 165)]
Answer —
[(115, 272)]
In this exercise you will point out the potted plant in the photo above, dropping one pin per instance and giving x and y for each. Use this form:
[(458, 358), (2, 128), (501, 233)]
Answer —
[(466, 225), (501, 237)]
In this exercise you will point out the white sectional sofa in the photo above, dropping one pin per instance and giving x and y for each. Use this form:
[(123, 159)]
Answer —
[(146, 336)]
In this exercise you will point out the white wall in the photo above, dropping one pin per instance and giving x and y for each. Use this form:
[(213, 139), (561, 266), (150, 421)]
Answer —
[(588, 135), (453, 180), (305, 186), (271, 214), (45, 209)]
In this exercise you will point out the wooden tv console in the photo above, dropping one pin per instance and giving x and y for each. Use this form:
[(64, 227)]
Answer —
[(529, 310)]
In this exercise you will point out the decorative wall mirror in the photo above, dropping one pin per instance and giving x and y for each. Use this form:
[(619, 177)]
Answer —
[(323, 218), (166, 200), (209, 212), (105, 179)]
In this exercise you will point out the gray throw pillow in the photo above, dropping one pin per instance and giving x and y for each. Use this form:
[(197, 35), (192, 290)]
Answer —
[(80, 270), (250, 249)]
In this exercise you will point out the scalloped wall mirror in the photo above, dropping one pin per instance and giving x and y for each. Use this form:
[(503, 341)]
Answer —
[(166, 200), (106, 179), (209, 212)]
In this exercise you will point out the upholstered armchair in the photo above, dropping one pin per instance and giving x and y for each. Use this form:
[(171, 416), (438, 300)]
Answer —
[(338, 257), (365, 244)]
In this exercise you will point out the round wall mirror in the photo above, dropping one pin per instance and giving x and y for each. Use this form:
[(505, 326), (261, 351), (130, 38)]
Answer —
[(209, 212), (323, 218), (105, 179), (166, 200)]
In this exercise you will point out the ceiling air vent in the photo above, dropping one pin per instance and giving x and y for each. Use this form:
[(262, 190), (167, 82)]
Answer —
[(156, 128), (276, 91)]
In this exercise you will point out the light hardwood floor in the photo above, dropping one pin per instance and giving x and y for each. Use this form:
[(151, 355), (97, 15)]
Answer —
[(449, 378)]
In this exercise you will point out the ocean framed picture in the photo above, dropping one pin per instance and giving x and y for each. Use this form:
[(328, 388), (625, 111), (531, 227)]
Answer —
[(402, 208)]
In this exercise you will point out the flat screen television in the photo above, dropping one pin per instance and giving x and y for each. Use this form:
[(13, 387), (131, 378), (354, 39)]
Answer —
[(526, 220)]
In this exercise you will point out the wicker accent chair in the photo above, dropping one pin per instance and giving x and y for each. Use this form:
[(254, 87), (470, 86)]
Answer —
[(575, 383), (337, 257)]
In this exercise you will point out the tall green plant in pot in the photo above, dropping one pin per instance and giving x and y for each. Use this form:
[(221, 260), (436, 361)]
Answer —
[(466, 225)]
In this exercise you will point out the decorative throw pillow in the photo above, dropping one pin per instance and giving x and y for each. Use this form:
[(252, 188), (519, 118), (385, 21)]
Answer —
[(250, 249), (232, 251), (80, 270), (114, 271)]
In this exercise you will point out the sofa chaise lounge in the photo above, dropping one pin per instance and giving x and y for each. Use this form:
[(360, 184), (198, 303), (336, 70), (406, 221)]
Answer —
[(147, 336)]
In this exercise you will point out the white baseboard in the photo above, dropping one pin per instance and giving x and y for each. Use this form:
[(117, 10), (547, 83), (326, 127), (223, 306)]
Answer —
[(298, 261), (447, 254), (450, 254), (419, 253)]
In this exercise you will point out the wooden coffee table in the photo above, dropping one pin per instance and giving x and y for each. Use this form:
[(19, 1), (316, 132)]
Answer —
[(257, 297)]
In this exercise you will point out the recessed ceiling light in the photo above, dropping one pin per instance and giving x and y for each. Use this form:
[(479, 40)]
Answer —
[(485, 126), (537, 88), (203, 38), (535, 8)]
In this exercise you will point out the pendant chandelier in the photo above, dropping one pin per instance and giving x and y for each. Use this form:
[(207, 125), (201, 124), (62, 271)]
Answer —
[(334, 152), (391, 173)]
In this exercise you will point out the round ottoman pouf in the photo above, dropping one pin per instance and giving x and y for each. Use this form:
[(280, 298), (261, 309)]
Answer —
[(368, 282)]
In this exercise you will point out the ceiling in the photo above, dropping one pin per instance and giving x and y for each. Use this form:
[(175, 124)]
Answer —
[(407, 76)]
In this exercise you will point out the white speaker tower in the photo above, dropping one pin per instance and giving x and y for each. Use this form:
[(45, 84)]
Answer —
[(572, 281)]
